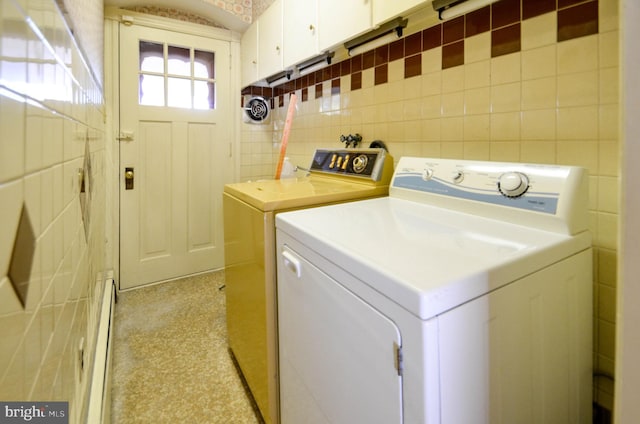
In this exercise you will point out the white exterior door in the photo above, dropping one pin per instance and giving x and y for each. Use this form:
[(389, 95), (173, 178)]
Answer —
[(175, 137)]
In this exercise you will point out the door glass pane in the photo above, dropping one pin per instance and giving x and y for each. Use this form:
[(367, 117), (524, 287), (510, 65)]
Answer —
[(203, 64), (204, 96), (151, 57), (179, 92), (151, 90), (179, 61), (179, 72)]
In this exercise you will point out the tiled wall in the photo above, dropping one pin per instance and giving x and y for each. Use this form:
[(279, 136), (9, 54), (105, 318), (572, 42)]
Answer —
[(52, 212), (522, 80)]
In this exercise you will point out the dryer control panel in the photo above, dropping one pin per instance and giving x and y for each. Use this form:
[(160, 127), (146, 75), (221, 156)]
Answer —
[(360, 163), (497, 188)]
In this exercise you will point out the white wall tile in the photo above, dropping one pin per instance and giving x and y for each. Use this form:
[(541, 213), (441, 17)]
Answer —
[(11, 198), (506, 69), (477, 48), (578, 55), (540, 62), (41, 149), (33, 139), (539, 125), (578, 123), (539, 31), (539, 94), (578, 89), (12, 123), (506, 97)]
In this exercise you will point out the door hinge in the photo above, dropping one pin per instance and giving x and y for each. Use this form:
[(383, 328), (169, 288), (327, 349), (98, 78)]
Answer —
[(399, 363)]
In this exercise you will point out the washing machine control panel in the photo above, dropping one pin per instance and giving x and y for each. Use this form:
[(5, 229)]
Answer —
[(531, 187), (358, 163)]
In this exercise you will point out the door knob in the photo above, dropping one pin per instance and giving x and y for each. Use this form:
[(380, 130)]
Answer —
[(128, 178)]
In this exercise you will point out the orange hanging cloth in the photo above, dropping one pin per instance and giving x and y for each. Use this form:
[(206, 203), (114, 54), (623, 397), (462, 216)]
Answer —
[(285, 133)]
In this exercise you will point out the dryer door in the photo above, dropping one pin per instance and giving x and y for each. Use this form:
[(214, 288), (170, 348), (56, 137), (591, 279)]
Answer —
[(338, 360)]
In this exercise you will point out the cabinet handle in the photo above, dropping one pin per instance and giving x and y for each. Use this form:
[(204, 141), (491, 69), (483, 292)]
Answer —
[(311, 27)]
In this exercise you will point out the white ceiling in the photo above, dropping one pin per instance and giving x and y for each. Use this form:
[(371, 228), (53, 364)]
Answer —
[(198, 7)]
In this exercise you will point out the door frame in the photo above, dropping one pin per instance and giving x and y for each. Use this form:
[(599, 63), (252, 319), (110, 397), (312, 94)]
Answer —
[(113, 19)]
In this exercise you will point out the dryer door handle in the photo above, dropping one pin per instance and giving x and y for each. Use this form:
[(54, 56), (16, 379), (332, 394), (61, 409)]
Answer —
[(292, 263)]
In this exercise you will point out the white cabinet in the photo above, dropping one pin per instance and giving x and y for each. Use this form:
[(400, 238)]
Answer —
[(270, 56), (291, 31), (249, 55), (300, 30), (341, 20), (384, 10)]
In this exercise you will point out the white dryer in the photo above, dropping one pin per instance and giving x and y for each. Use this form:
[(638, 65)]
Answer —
[(464, 297)]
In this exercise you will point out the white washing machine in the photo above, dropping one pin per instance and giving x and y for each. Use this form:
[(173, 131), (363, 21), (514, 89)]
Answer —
[(464, 297)]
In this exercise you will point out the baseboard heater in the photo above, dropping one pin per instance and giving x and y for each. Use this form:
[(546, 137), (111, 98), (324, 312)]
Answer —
[(99, 407)]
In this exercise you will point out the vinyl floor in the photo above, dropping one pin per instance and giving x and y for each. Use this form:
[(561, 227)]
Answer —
[(171, 362)]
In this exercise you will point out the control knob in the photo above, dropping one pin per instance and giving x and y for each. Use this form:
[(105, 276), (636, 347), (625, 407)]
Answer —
[(360, 163), (427, 173), (513, 184)]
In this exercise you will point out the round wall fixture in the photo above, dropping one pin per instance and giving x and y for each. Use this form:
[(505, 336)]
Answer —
[(378, 144), (256, 109)]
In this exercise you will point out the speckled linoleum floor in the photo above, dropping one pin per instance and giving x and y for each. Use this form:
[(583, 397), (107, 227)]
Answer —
[(171, 362)]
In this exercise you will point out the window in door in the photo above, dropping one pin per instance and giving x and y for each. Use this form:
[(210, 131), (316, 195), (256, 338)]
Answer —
[(176, 76)]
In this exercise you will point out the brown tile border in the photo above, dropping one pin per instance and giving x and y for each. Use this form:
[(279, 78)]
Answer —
[(533, 8), (453, 54), (345, 67), (356, 63), (478, 21), (381, 74), (335, 86), (381, 55), (567, 3), (505, 12), (578, 21), (356, 81), (368, 59), (396, 49), (575, 18), (413, 66), (432, 37), (505, 40), (453, 30), (413, 44)]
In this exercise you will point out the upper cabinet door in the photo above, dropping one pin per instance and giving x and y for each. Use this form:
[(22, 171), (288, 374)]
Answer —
[(249, 55), (341, 20), (270, 46), (384, 10), (300, 30)]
